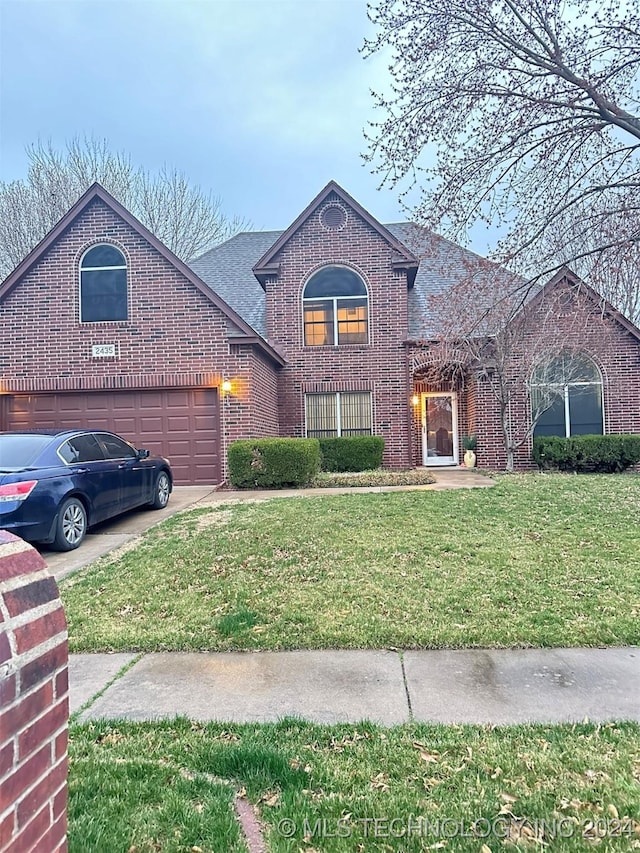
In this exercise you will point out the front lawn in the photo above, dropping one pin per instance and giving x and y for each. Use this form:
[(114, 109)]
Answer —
[(537, 560), (170, 786)]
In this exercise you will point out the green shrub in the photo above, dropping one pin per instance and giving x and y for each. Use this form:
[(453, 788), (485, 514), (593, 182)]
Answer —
[(273, 463), (351, 453), (603, 453)]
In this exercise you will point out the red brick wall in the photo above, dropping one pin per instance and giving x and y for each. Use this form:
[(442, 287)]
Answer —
[(380, 366), (250, 408), (174, 335), (34, 703), (617, 354)]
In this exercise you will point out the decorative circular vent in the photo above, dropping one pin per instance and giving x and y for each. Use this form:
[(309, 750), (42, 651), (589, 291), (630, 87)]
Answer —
[(333, 217)]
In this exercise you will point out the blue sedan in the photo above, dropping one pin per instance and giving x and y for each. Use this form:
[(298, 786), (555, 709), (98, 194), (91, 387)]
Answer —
[(56, 484)]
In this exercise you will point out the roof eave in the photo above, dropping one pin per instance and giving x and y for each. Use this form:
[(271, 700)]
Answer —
[(566, 272), (262, 267), (97, 191), (256, 340)]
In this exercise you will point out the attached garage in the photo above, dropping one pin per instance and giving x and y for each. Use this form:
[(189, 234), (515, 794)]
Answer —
[(182, 424)]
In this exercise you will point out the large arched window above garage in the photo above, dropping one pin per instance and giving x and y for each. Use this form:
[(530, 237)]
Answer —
[(566, 396), (335, 307), (103, 285)]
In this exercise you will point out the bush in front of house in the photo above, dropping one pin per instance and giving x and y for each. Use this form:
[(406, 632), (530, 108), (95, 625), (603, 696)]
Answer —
[(351, 453), (273, 463), (587, 453)]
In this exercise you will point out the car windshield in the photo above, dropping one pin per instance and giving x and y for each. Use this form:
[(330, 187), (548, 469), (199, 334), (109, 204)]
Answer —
[(19, 451)]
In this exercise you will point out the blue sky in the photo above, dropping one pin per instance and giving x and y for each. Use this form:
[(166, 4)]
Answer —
[(260, 101)]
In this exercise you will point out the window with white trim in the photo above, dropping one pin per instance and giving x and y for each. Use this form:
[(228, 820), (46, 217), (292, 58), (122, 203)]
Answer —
[(103, 285), (569, 388), (335, 307), (342, 413)]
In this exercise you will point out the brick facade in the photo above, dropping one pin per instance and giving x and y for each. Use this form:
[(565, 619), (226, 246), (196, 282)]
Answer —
[(34, 703), (380, 366), (174, 335), (613, 348), (181, 334)]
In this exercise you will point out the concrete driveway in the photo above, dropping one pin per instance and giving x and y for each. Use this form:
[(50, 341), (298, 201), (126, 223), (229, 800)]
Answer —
[(111, 534)]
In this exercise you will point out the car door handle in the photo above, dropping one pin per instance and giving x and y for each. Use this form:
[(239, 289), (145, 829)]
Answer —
[(82, 470)]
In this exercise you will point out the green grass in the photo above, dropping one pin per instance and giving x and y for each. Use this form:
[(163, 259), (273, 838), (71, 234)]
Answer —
[(169, 786), (549, 560)]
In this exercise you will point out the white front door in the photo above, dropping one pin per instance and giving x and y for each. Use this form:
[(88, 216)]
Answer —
[(439, 429)]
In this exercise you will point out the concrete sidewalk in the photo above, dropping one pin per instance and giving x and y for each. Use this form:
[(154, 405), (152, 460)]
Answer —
[(387, 687)]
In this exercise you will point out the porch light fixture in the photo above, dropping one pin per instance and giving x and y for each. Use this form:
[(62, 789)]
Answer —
[(415, 399), (226, 386)]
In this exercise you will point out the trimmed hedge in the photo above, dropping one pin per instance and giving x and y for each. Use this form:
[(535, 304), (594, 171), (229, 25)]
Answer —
[(270, 463), (351, 453), (587, 453)]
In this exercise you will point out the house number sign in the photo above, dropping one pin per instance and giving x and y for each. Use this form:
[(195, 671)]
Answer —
[(103, 350)]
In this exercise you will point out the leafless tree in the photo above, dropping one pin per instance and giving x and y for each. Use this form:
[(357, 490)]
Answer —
[(521, 114), (188, 220), (614, 272), (487, 335)]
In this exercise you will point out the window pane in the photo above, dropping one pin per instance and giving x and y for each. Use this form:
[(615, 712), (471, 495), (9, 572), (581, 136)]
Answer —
[(103, 256), (82, 448), (549, 373), (580, 368), (103, 295), (352, 321), (585, 409), (551, 421), (322, 417), (318, 324), (115, 448), (355, 413), (334, 281)]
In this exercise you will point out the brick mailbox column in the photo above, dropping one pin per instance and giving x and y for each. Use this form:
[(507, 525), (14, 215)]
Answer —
[(34, 705)]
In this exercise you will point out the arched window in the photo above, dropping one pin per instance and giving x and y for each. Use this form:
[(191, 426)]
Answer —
[(335, 308), (566, 397), (103, 285)]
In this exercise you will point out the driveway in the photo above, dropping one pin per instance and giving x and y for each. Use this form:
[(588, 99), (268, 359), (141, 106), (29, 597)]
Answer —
[(111, 534)]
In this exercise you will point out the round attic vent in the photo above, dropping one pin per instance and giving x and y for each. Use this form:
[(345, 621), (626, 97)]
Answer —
[(333, 217)]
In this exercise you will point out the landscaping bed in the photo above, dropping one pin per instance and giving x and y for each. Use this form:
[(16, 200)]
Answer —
[(379, 477)]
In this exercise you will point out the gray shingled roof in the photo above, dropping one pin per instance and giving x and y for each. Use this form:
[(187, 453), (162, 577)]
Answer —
[(443, 265), (227, 270)]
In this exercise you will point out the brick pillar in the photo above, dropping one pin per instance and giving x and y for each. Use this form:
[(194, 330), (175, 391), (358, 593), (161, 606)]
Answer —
[(34, 705)]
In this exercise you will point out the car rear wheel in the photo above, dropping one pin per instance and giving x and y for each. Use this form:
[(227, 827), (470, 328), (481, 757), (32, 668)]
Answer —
[(161, 491), (71, 526)]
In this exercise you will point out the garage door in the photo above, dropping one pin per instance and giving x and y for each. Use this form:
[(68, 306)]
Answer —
[(182, 424)]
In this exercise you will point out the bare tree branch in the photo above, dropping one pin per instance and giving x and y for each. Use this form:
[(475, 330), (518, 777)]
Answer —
[(183, 217), (531, 112)]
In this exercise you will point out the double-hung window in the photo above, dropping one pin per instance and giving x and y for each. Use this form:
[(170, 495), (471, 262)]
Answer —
[(342, 413), (335, 308)]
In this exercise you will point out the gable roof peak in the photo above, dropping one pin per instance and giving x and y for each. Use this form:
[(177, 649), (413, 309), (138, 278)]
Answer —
[(98, 191), (266, 266)]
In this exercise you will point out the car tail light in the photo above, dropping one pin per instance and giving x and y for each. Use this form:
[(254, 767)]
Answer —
[(17, 491)]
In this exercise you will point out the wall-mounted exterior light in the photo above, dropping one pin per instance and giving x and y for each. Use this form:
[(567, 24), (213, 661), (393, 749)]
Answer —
[(226, 386), (415, 399)]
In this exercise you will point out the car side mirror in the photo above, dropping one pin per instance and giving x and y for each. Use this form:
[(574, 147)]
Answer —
[(143, 454)]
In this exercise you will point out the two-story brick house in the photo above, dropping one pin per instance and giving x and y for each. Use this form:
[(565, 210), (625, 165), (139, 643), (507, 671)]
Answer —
[(317, 330)]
